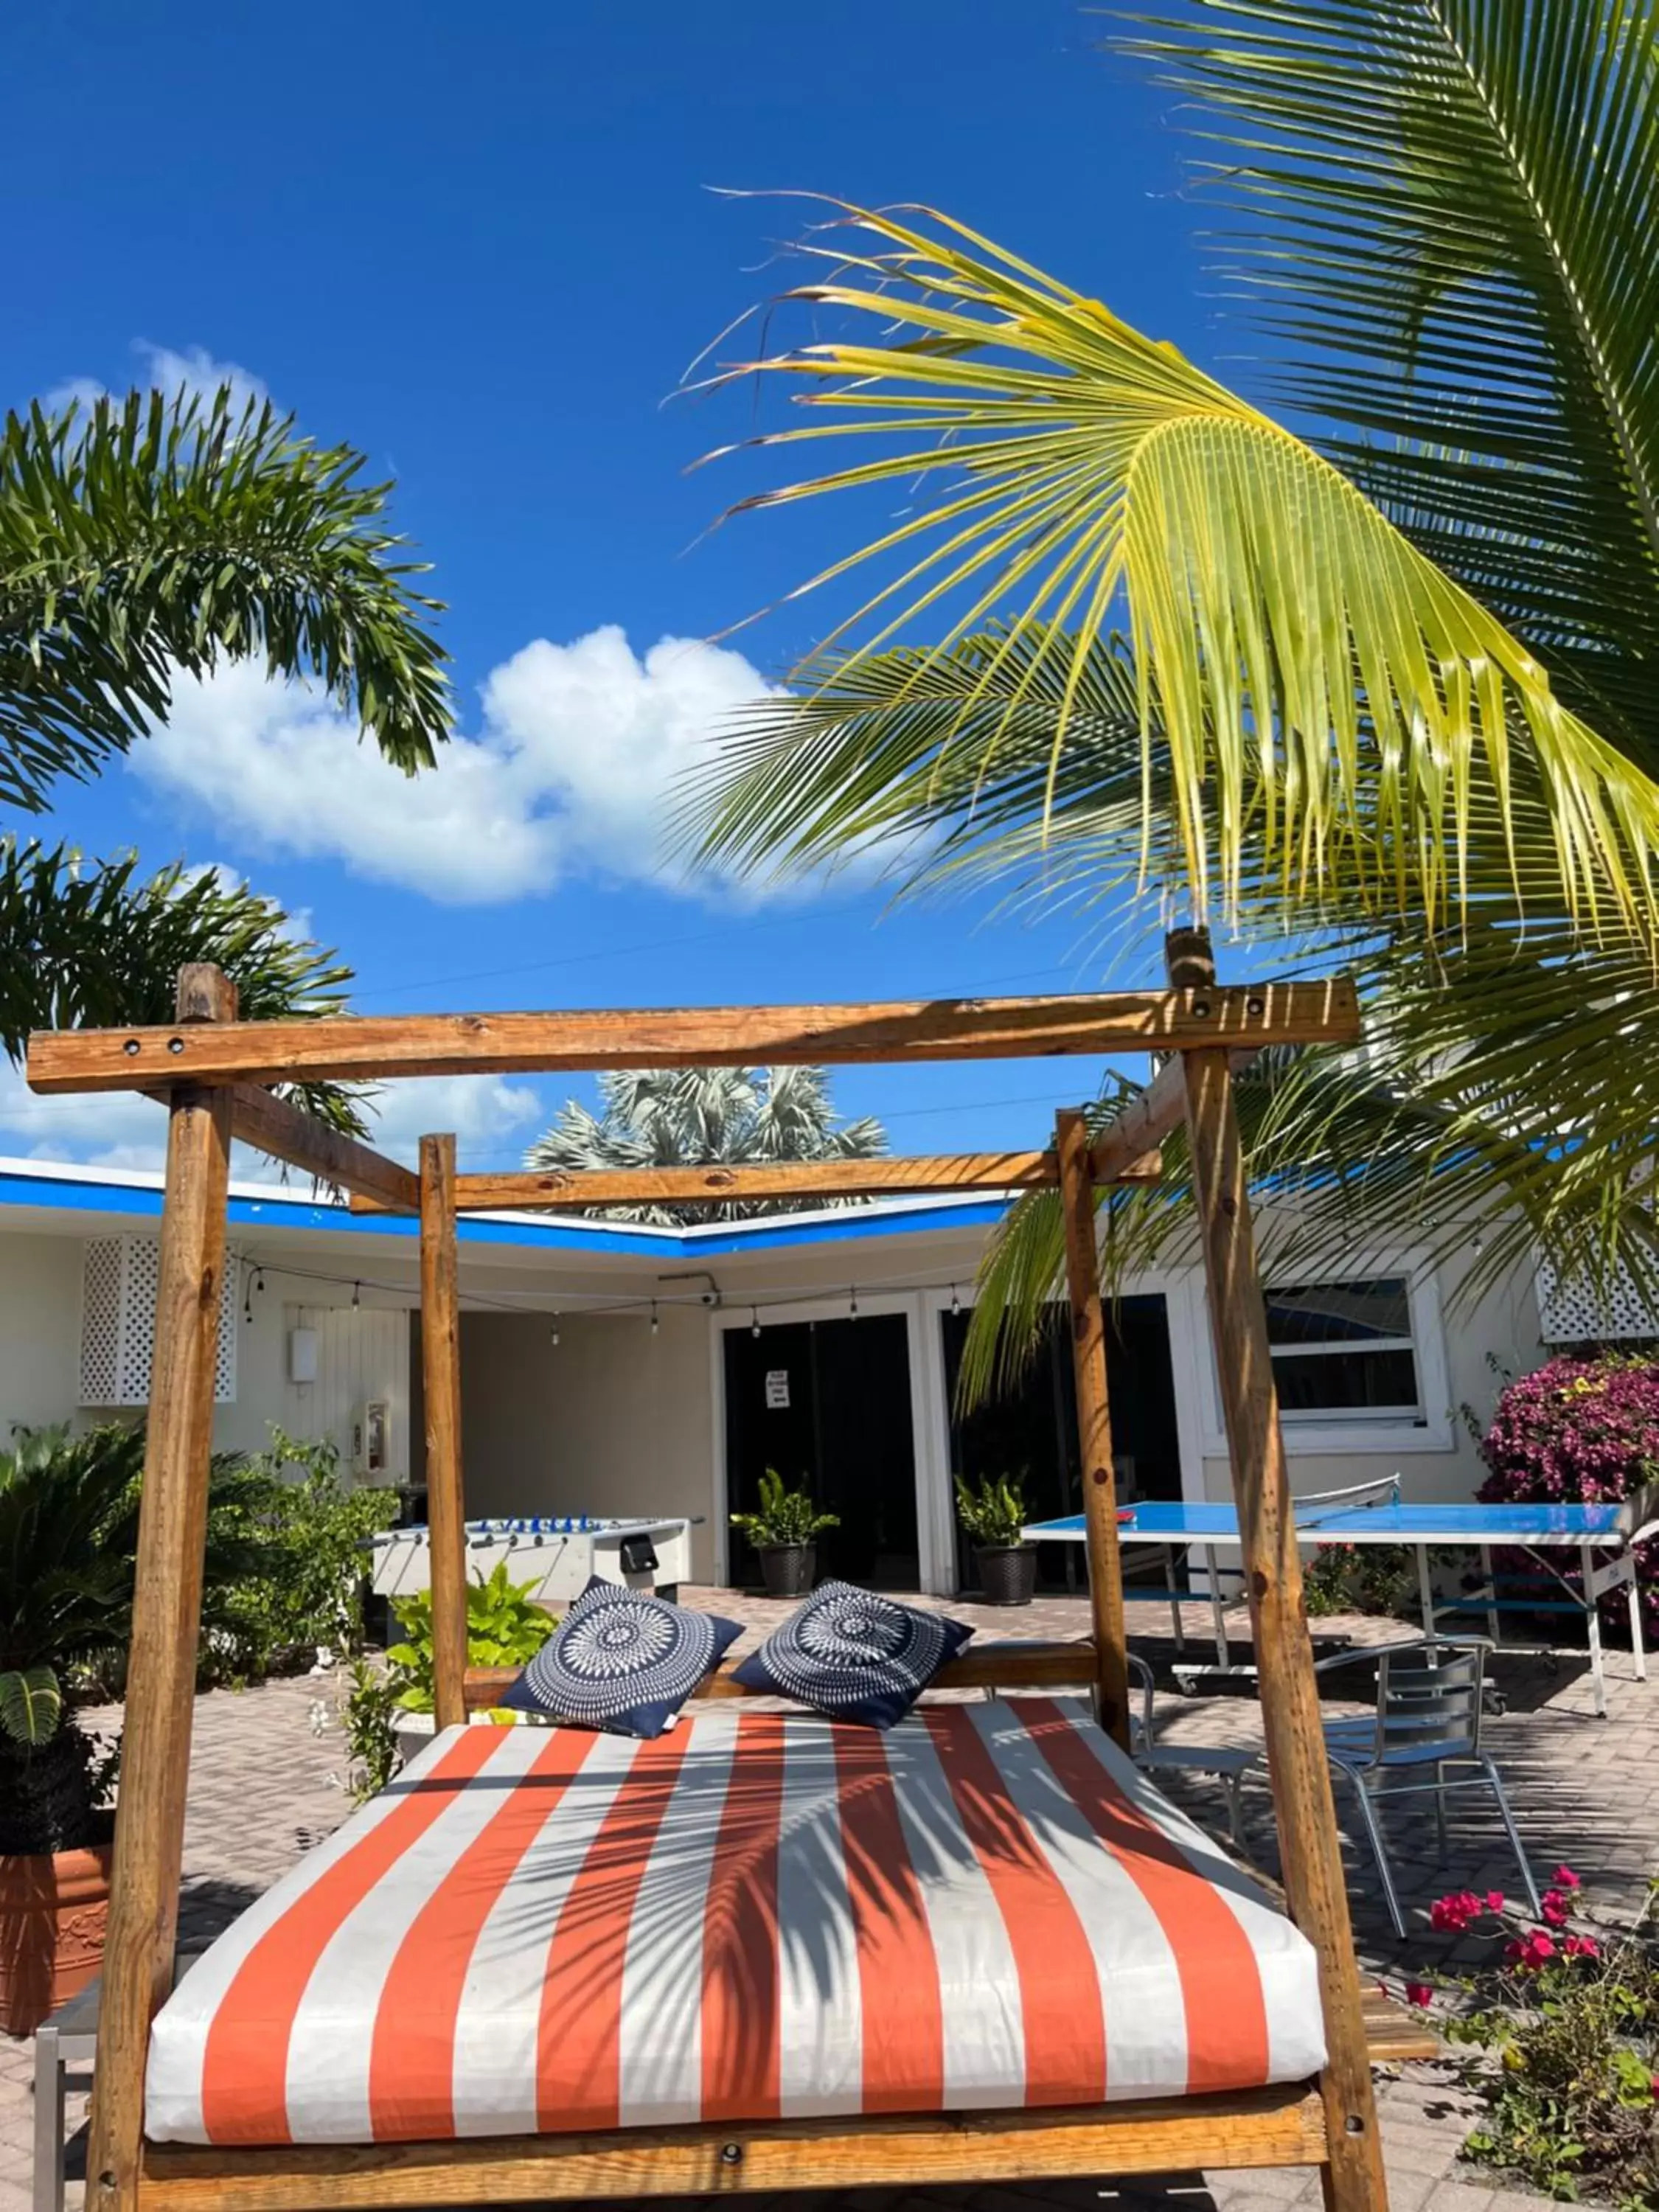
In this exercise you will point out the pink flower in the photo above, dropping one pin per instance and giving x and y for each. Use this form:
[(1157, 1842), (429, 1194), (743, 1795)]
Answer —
[(1494, 1901), (1531, 1951), (1582, 1947), (1555, 1908), (1419, 1993), (1565, 1878)]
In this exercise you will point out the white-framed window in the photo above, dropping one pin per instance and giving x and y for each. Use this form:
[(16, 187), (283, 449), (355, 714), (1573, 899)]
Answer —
[(1345, 1351)]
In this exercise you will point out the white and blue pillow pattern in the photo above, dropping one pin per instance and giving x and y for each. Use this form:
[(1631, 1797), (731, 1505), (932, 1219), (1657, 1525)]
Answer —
[(855, 1656), (622, 1659)]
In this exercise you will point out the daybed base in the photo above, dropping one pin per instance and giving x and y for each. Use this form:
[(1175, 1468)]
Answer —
[(1282, 2126), (1262, 2127)]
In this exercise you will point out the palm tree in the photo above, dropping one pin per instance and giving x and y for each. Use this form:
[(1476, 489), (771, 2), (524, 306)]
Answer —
[(698, 1117), (148, 537), (1383, 688)]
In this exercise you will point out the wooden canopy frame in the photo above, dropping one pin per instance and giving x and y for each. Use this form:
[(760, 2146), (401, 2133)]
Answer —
[(210, 1068)]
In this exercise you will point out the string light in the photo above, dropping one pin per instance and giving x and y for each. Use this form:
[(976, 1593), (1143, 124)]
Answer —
[(260, 1280), (956, 1302), (852, 1303), (553, 1333), (654, 1323), (754, 1320), (356, 1295)]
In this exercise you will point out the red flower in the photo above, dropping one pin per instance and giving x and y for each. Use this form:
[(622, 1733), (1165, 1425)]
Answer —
[(1582, 1947), (1419, 1993), (1565, 1878), (1555, 1908), (1531, 1951), (1495, 1900)]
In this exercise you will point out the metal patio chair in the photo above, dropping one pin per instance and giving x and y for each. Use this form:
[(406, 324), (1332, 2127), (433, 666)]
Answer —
[(1430, 1696), (1229, 1764)]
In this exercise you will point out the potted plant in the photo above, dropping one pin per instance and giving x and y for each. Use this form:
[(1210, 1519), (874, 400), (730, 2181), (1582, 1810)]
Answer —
[(994, 1515), (69, 1530), (67, 1515), (783, 1533)]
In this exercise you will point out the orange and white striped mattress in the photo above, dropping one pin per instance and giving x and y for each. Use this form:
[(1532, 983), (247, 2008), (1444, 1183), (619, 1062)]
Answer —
[(756, 1916)]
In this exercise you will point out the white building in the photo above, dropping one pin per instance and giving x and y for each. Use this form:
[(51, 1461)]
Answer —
[(618, 1370)]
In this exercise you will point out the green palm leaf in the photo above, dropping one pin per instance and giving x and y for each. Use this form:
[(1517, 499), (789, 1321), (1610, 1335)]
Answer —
[(154, 535), (1448, 211), (1310, 669), (31, 1704)]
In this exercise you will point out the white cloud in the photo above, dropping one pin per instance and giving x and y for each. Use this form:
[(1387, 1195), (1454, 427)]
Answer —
[(194, 371), (197, 372), (580, 748), (489, 1116), (486, 1114)]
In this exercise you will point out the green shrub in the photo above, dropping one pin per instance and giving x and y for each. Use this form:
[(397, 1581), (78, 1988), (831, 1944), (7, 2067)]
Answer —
[(786, 1516), (1558, 2040), (995, 1513), (1375, 1578), (302, 1531), (369, 1720), (504, 1628)]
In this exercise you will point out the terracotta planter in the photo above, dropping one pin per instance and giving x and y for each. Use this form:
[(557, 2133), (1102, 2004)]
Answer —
[(53, 1910)]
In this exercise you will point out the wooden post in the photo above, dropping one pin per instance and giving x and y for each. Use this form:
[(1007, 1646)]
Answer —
[(441, 1369), (1310, 1852), (149, 1821), (1094, 1423)]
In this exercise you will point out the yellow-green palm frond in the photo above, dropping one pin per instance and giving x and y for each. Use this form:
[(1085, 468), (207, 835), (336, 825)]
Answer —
[(1313, 676)]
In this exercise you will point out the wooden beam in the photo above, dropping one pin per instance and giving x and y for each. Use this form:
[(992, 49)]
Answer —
[(1254, 2128), (149, 1821), (363, 1048), (1006, 1664), (1310, 1852), (441, 1373), (561, 1189), (288, 1133), (1094, 1426)]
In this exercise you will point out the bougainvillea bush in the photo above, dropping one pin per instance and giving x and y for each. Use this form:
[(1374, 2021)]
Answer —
[(1558, 2040), (1580, 1430)]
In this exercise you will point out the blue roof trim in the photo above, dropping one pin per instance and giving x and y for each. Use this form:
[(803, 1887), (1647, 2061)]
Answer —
[(71, 1195)]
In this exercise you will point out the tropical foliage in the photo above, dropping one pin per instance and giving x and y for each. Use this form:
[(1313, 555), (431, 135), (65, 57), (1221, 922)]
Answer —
[(158, 534), (301, 1532), (1580, 1430), (1381, 688), (140, 540), (68, 1525), (1555, 2035), (993, 1512), (505, 1627), (698, 1117), (786, 1516), (90, 946)]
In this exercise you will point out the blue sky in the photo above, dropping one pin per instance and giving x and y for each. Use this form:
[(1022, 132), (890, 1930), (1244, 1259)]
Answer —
[(481, 244)]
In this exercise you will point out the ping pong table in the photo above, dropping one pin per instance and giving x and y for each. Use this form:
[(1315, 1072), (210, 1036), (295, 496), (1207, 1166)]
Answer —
[(1604, 1538)]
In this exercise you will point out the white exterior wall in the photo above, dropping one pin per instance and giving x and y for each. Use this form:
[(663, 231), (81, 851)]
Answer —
[(618, 1420), (39, 1330), (613, 1419)]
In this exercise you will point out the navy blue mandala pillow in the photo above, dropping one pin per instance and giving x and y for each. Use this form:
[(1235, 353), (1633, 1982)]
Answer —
[(622, 1660), (855, 1656)]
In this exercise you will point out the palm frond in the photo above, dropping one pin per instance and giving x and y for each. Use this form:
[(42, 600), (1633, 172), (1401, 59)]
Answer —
[(1287, 637), (152, 535), (699, 1116), (93, 944), (1448, 212)]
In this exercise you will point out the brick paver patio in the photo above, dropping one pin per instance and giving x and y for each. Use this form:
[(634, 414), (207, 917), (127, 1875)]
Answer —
[(1585, 1791)]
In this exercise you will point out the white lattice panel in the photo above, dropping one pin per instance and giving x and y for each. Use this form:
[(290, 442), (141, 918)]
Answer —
[(1572, 1310), (118, 1322)]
